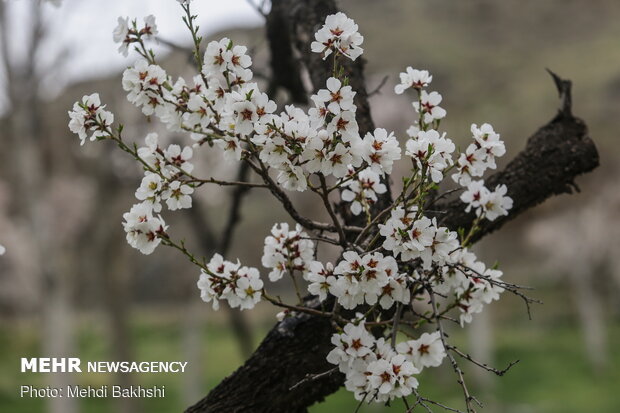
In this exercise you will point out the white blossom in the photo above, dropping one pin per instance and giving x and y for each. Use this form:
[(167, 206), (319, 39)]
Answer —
[(150, 189), (431, 151), (380, 150), (149, 30), (144, 82), (361, 279), (487, 139), (392, 378), (287, 250), (426, 351), (320, 279), (88, 116), (143, 229), (396, 290), (336, 97), (338, 34), (362, 191), (353, 343), (120, 35), (177, 159), (241, 286), (429, 106), (413, 78), (479, 155), (177, 196), (489, 204)]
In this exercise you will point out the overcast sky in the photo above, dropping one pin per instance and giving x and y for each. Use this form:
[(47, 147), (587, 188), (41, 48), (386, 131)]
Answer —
[(86, 27)]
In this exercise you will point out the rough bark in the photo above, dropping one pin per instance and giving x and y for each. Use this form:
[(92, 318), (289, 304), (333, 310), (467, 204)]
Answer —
[(556, 154), (285, 66)]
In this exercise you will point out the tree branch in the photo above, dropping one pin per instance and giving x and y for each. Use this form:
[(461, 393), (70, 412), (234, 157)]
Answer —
[(554, 156), (297, 346)]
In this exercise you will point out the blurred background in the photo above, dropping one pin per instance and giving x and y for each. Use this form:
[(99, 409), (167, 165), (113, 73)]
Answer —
[(70, 285)]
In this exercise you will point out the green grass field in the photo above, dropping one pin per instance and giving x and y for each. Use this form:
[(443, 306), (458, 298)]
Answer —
[(553, 375)]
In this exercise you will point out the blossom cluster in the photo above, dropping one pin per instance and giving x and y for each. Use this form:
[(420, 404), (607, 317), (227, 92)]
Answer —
[(403, 256), (480, 155), (287, 251), (89, 116), (143, 228), (472, 284), (410, 237), (239, 285), (486, 203), (377, 371), (127, 33), (362, 190), (338, 35)]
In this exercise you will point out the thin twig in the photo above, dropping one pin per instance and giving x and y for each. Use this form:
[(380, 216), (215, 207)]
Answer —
[(325, 197), (461, 380), (480, 364), (202, 181), (397, 315), (313, 377), (377, 90), (422, 400)]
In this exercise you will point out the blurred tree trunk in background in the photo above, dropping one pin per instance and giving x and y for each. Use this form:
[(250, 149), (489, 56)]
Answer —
[(29, 165), (62, 245), (480, 335), (591, 313), (193, 326), (112, 274)]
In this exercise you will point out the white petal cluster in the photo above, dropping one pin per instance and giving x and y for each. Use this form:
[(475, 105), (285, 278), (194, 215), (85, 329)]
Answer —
[(429, 107), (143, 228), (169, 162), (229, 60), (362, 191), (321, 279), (413, 79), (335, 98), (239, 285), (380, 151), (162, 182), (431, 152), (338, 35), (145, 84), (374, 370), (287, 250), (127, 33), (426, 351), (121, 35), (486, 203), (367, 279), (480, 155), (472, 284), (412, 238), (88, 116)]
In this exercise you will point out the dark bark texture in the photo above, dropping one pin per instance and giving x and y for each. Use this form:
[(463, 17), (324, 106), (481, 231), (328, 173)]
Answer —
[(553, 157)]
